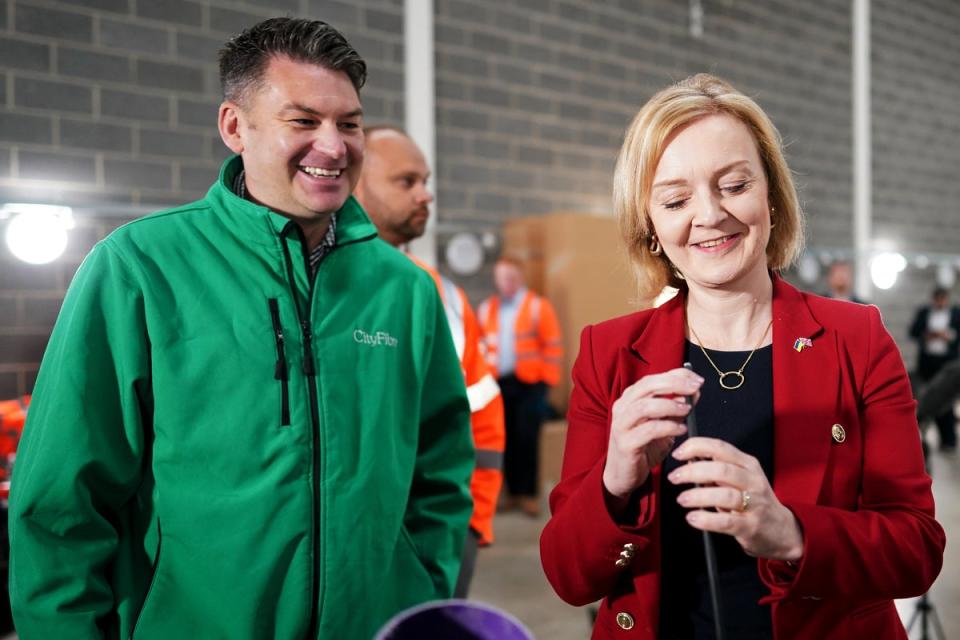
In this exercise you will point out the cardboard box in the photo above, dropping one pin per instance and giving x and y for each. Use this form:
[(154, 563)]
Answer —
[(553, 437), (577, 261)]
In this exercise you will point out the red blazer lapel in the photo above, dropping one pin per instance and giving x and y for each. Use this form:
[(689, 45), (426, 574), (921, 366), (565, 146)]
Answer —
[(659, 347), (806, 391)]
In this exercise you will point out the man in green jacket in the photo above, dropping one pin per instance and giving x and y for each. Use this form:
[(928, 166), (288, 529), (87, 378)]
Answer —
[(250, 421)]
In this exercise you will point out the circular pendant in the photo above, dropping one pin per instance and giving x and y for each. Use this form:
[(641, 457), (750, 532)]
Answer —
[(738, 379)]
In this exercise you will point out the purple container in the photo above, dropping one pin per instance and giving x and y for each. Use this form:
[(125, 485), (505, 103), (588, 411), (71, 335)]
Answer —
[(454, 620)]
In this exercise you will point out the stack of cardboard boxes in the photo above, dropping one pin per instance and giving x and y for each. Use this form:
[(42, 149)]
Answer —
[(578, 262)]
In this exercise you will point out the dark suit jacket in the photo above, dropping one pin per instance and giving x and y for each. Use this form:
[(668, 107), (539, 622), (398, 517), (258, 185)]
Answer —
[(929, 364), (864, 504)]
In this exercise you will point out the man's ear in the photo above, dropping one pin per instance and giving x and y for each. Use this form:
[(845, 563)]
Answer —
[(228, 121)]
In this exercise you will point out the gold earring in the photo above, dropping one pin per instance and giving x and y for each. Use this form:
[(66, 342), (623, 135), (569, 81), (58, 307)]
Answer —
[(654, 246), (773, 210)]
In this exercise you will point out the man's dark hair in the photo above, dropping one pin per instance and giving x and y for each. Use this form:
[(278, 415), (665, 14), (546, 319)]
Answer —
[(244, 58)]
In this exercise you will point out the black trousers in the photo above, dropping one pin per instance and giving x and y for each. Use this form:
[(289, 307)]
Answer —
[(523, 409), (927, 368)]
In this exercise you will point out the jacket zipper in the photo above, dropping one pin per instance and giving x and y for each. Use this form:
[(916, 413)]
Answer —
[(310, 372), (280, 370)]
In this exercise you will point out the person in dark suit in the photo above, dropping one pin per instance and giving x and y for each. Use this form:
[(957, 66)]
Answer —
[(807, 467), (936, 328), (840, 281)]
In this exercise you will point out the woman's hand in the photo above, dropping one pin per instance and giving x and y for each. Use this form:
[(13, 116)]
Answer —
[(734, 484), (643, 426)]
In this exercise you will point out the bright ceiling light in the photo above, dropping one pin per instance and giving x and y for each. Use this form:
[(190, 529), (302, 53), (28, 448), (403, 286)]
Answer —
[(37, 233), (885, 267)]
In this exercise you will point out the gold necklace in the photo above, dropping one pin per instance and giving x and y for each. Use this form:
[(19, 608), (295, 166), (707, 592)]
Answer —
[(739, 372)]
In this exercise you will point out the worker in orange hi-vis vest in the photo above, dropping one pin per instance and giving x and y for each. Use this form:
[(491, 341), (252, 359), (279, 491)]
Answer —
[(13, 413), (521, 339), (393, 191)]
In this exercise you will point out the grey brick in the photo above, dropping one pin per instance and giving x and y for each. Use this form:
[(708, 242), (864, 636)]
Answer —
[(22, 348), (137, 174), (134, 106), (491, 149), (16, 275), (534, 155), (490, 43), (383, 21), (453, 89), (464, 10), (95, 135), (43, 311), (42, 21), (197, 112), (25, 56), (385, 79), (171, 143), (508, 20), (464, 119), (169, 75), (134, 37), (17, 127), (178, 11), (3, 19), (468, 65), (490, 96), (531, 103), (198, 48), (52, 95), (10, 381), (4, 162), (469, 174), (446, 33), (449, 144), (197, 179), (231, 21), (339, 14), (492, 202), (117, 6), (513, 73), (58, 166), (562, 82), (89, 64)]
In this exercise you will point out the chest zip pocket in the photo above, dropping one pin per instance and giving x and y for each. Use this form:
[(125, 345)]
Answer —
[(280, 370)]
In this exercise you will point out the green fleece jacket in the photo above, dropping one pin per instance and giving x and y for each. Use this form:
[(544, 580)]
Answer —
[(220, 448)]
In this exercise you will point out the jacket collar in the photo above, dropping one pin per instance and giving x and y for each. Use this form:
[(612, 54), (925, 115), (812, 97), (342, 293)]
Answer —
[(259, 224)]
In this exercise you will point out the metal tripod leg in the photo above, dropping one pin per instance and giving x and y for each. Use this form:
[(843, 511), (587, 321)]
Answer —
[(926, 612)]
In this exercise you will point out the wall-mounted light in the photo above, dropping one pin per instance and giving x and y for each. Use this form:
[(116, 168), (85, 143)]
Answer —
[(37, 233), (885, 267)]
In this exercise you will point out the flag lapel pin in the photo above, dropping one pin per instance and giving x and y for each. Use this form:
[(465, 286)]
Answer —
[(801, 343)]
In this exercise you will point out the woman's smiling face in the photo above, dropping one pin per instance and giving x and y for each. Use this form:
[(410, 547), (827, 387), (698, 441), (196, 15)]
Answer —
[(709, 203)]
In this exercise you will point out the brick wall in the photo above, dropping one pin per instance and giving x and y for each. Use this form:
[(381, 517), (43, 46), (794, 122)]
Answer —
[(112, 103)]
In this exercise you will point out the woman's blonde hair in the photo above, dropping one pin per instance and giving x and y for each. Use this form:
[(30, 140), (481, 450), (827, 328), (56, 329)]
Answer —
[(665, 113)]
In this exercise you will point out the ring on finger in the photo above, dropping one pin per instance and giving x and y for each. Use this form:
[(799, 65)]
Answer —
[(744, 500)]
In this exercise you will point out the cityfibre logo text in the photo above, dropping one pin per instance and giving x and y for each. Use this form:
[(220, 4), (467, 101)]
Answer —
[(375, 339)]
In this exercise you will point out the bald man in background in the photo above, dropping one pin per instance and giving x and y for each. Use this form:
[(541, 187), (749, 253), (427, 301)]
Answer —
[(393, 191)]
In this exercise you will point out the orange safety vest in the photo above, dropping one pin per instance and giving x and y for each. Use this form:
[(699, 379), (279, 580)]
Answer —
[(536, 334), (13, 413), (486, 404)]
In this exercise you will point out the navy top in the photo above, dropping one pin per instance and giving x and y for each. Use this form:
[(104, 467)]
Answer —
[(744, 418)]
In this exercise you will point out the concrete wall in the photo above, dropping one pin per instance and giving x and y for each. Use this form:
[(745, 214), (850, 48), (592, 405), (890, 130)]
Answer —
[(110, 105)]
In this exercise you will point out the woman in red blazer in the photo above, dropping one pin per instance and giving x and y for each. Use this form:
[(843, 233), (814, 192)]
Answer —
[(813, 479)]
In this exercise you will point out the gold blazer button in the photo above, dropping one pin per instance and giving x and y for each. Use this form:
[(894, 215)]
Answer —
[(625, 621), (838, 433)]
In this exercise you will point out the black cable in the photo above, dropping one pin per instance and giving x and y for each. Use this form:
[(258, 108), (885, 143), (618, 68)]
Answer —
[(709, 552)]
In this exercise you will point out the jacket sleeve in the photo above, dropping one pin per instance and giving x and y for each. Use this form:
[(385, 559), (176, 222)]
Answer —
[(548, 333), (582, 542), (918, 326), (890, 546), (80, 459), (440, 505)]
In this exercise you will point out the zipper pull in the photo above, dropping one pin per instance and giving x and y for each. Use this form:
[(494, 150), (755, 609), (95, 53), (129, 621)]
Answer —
[(307, 349), (280, 369)]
